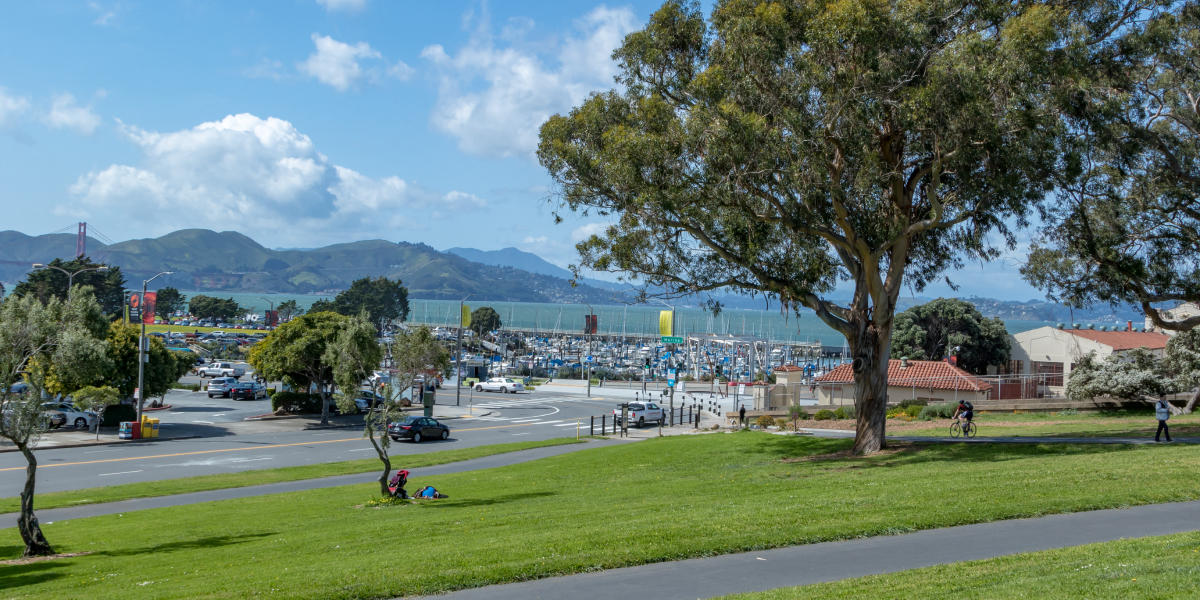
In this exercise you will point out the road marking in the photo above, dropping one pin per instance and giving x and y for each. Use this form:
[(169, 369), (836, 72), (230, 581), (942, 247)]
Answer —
[(567, 425), (121, 473), (361, 450), (219, 415), (525, 420), (526, 433), (205, 422), (251, 449)]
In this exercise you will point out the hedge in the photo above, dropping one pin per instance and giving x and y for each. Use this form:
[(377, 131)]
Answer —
[(296, 402), (115, 414)]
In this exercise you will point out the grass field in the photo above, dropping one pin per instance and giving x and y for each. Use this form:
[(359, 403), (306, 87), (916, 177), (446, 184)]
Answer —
[(1135, 424), (1153, 567), (654, 500), (201, 483)]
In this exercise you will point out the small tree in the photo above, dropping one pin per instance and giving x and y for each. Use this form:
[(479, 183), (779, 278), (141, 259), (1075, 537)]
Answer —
[(167, 301), (35, 338), (354, 355), (289, 309), (795, 411), (484, 319), (1183, 363), (951, 327), (1135, 375), (295, 353), (97, 400)]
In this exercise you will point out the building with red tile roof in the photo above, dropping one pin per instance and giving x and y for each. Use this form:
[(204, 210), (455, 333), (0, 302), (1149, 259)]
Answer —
[(1049, 354), (929, 380)]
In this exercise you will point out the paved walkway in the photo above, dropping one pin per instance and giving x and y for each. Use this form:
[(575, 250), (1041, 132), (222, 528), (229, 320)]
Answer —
[(831, 561)]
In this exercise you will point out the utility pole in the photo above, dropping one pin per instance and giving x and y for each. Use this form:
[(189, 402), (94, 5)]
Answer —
[(142, 356), (458, 356)]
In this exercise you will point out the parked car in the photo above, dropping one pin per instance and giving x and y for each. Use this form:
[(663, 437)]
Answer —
[(222, 369), (364, 398), (54, 418), (418, 428), (640, 412), (220, 386), (247, 390), (78, 419), (503, 385)]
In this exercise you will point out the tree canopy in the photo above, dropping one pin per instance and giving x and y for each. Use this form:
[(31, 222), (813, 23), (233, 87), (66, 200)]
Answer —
[(484, 319), (780, 148), (167, 301), (208, 307), (951, 327), (164, 368), (383, 300), (288, 309), (1127, 227), (107, 286), (296, 352)]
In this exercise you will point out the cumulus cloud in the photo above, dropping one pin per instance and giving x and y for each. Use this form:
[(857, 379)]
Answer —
[(493, 97), (586, 231), (343, 5), (11, 107), (250, 173), (335, 63), (64, 113)]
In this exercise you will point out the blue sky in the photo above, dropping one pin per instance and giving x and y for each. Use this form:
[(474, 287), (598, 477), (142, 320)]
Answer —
[(308, 122)]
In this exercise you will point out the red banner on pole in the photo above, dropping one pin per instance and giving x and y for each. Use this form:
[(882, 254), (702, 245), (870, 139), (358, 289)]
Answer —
[(148, 307)]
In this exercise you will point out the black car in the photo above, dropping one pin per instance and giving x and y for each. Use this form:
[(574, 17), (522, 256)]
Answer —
[(418, 428), (247, 390)]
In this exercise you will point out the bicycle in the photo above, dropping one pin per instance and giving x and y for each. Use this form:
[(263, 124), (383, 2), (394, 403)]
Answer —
[(962, 428)]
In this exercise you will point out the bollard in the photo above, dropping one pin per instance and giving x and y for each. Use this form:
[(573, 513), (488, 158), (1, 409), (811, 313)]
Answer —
[(602, 424), (592, 426)]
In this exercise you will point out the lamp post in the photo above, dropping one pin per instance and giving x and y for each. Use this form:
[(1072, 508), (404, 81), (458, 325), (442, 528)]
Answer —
[(458, 355), (141, 392), (70, 274), (270, 305), (673, 349)]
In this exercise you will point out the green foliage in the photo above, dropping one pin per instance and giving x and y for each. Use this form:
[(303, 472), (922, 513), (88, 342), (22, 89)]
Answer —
[(288, 309), (948, 327), (941, 410), (118, 413), (824, 415), (296, 402), (907, 402), (97, 400), (167, 301), (844, 412), (295, 352), (164, 368), (383, 300), (484, 319), (217, 309), (764, 421), (107, 286)]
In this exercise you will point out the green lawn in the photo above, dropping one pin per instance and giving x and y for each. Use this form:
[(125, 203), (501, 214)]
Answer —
[(201, 483), (1152, 567), (654, 500), (1135, 424)]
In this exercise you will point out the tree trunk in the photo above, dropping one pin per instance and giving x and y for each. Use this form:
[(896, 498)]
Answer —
[(384, 458), (1191, 403), (870, 351), (27, 524)]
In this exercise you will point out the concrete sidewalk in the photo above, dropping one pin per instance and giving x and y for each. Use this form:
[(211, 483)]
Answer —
[(831, 561)]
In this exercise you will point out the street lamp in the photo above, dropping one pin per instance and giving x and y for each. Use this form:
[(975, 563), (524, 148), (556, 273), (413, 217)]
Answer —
[(142, 356), (458, 356), (70, 274), (673, 350)]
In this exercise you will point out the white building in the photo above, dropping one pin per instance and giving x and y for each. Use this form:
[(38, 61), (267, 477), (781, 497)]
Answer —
[(1179, 313), (1052, 353)]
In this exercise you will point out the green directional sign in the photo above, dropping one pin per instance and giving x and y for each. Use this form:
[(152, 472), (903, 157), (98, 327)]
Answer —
[(672, 339)]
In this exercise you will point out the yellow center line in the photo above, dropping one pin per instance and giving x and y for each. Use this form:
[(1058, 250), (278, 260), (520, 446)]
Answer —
[(252, 448)]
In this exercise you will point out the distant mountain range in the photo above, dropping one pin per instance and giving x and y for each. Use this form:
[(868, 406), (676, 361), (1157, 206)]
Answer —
[(228, 261), (231, 262)]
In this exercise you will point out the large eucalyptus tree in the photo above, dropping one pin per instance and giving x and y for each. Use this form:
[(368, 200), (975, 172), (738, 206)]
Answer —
[(781, 147)]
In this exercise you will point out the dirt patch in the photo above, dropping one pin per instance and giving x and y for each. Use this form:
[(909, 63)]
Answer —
[(893, 449), (34, 559)]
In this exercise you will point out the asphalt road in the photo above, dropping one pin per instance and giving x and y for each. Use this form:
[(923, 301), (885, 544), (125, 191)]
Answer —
[(225, 443)]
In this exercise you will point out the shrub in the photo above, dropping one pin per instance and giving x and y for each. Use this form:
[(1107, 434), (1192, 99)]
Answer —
[(782, 423), (913, 410), (296, 402), (895, 412), (764, 421), (1068, 411), (117, 413), (271, 393), (907, 402), (941, 410), (844, 412), (824, 415), (195, 387)]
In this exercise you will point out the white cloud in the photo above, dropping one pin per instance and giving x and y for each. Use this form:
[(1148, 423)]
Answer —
[(346, 5), (11, 107), (494, 98), (66, 114), (250, 173), (104, 15), (335, 63), (457, 199), (584, 232)]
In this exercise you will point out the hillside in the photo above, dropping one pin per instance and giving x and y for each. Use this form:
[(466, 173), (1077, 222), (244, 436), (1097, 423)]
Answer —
[(231, 262)]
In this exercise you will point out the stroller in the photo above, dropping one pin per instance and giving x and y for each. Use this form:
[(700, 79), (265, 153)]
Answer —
[(396, 485)]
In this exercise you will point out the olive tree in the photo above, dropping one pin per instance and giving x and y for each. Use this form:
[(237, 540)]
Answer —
[(36, 339), (780, 148)]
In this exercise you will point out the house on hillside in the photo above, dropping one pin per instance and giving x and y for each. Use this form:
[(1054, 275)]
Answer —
[(1045, 356), (928, 380)]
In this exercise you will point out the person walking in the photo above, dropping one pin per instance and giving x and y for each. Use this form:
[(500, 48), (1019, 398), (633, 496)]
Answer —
[(742, 415), (1162, 411)]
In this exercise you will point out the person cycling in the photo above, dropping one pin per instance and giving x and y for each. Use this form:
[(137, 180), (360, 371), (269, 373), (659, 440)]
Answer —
[(966, 410)]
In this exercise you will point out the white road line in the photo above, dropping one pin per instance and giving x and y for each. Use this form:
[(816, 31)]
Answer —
[(219, 415), (566, 425), (526, 433), (361, 450), (205, 422), (121, 473), (524, 420)]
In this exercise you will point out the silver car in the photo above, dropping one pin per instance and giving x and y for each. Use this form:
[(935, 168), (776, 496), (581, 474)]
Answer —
[(76, 418), (221, 386)]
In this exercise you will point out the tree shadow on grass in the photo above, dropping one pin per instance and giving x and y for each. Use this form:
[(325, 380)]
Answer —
[(916, 452), (473, 502), (15, 576), (206, 542)]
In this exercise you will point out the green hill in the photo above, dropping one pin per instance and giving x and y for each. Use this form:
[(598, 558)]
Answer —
[(231, 262)]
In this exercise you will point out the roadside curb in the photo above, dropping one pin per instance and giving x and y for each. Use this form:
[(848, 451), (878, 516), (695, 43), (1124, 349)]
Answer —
[(106, 443)]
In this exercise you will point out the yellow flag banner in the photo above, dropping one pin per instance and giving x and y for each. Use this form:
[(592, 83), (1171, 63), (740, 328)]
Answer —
[(466, 316), (664, 323)]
